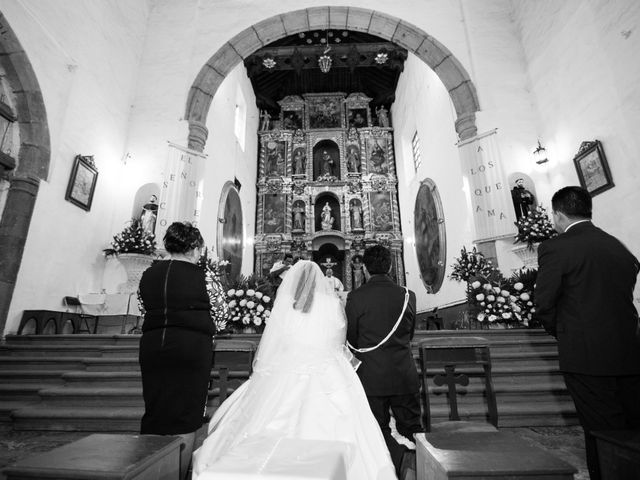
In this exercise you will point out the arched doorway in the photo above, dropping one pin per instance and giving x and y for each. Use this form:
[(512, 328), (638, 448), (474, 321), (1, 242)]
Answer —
[(230, 236), (31, 161), (433, 53)]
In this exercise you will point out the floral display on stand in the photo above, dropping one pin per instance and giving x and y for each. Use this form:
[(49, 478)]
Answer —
[(133, 239), (535, 227), (495, 301), (505, 302), (215, 275), (249, 307), (472, 264)]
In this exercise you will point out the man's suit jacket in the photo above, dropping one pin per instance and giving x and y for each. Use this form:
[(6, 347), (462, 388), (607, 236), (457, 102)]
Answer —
[(584, 297), (372, 311)]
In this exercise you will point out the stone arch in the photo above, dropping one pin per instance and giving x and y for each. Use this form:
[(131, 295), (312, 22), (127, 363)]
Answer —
[(32, 164), (450, 71)]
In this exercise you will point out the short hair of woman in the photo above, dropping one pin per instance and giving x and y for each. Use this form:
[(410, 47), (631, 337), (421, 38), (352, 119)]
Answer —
[(182, 237), (377, 259), (574, 202)]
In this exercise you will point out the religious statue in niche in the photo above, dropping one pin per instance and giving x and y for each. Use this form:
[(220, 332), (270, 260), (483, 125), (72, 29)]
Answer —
[(383, 116), (299, 161), (275, 158), (377, 156), (355, 210), (274, 209), (149, 215), (265, 118), (291, 120), (357, 118), (381, 215), (327, 217), (522, 199), (357, 271), (327, 164), (298, 215), (353, 159)]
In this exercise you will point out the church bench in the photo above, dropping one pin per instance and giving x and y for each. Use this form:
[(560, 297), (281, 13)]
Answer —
[(486, 455), (618, 453), (104, 457)]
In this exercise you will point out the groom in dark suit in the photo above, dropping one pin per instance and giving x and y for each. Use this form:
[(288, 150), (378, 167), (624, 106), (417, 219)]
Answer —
[(388, 373), (584, 297)]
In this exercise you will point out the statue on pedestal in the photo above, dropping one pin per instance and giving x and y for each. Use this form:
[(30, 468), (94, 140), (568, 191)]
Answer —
[(265, 118), (353, 160), (356, 215), (357, 271), (149, 215), (383, 116), (299, 160), (327, 217), (327, 164), (298, 216)]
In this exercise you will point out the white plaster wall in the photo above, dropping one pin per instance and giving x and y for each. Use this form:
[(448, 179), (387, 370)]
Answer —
[(227, 159), (423, 104), (85, 56), (584, 69)]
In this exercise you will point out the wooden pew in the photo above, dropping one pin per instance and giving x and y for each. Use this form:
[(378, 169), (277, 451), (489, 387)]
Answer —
[(102, 457)]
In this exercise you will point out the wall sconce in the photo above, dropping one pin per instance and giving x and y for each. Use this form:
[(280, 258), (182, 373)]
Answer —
[(540, 154)]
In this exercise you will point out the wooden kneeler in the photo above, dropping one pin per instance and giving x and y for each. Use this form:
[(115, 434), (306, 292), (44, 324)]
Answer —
[(104, 457)]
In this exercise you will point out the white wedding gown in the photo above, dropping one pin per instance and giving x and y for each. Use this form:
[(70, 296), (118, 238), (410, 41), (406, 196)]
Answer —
[(303, 387)]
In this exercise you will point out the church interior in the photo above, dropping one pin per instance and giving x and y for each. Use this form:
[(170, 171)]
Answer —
[(432, 127)]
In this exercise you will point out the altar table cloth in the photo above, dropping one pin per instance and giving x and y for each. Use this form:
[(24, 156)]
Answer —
[(285, 459)]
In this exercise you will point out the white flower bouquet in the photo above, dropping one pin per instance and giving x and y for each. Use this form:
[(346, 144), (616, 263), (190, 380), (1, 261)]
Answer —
[(133, 239), (248, 308), (534, 227)]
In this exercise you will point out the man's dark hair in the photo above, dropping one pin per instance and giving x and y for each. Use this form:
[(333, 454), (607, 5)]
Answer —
[(182, 237), (288, 255), (574, 202), (377, 259)]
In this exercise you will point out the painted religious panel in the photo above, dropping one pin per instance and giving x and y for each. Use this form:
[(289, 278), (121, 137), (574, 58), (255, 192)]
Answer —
[(353, 159), (325, 112), (381, 213), (430, 236), (291, 119), (377, 155), (357, 118), (274, 213), (275, 158)]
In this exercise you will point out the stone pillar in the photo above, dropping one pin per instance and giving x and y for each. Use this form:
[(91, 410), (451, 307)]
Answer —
[(14, 228), (198, 134), (466, 126)]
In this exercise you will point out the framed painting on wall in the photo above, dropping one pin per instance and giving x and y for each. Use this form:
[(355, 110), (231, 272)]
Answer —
[(82, 183), (592, 168)]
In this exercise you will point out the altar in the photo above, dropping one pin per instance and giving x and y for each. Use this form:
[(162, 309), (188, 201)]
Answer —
[(327, 185)]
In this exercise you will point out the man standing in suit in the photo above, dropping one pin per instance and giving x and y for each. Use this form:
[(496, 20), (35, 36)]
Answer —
[(584, 297), (388, 371)]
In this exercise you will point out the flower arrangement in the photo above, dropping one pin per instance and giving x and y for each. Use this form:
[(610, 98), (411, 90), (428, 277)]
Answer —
[(214, 271), (249, 306), (133, 239), (505, 301), (534, 227), (472, 264)]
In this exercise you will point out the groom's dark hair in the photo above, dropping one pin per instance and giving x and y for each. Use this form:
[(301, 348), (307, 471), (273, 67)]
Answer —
[(574, 202), (377, 259)]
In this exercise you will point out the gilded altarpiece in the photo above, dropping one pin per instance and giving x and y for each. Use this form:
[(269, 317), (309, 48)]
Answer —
[(327, 186)]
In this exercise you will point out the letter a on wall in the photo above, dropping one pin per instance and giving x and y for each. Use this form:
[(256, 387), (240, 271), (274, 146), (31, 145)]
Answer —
[(489, 194)]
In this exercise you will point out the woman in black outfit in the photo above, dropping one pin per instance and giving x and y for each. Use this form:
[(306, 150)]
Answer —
[(176, 344)]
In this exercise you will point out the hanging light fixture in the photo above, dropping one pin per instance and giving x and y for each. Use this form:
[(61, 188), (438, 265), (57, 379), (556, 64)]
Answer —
[(540, 154), (324, 61)]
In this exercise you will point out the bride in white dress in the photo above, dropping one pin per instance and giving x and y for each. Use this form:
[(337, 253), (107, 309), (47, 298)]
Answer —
[(303, 386)]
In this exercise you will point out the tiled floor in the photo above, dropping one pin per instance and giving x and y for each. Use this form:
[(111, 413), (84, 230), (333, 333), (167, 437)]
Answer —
[(565, 442)]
